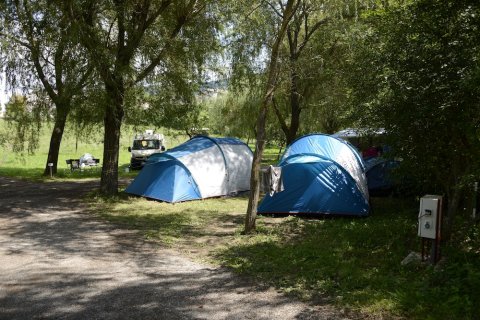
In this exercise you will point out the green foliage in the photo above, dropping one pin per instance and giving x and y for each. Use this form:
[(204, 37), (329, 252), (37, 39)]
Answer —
[(248, 38), (233, 114), (169, 98), (310, 95), (416, 75), (41, 56), (311, 91), (148, 45), (23, 123)]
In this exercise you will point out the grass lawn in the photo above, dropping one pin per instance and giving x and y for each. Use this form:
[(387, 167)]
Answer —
[(351, 262), (31, 166)]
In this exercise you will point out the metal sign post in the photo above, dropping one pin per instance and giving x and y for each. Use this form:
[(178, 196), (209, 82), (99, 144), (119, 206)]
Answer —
[(50, 166)]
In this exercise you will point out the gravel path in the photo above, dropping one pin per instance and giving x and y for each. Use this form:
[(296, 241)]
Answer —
[(59, 263)]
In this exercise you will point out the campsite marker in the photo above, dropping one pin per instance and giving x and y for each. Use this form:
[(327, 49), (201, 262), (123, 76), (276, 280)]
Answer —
[(50, 166)]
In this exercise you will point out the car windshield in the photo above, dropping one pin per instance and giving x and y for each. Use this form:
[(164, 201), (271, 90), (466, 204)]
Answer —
[(146, 144)]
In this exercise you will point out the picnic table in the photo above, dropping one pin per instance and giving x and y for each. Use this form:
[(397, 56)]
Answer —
[(75, 164)]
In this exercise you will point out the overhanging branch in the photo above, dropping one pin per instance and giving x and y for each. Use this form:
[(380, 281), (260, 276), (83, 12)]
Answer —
[(181, 21)]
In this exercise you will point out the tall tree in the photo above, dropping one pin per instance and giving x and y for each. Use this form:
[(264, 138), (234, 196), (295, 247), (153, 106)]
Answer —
[(39, 50), (128, 41), (285, 13), (308, 19), (311, 65), (417, 76)]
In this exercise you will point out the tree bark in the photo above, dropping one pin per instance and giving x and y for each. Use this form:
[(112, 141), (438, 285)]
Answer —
[(113, 121), (294, 107), (254, 198), (251, 216), (453, 201), (297, 42), (56, 137), (290, 132), (454, 193)]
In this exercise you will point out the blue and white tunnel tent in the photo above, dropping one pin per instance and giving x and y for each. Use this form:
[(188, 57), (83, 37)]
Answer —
[(321, 175), (202, 167)]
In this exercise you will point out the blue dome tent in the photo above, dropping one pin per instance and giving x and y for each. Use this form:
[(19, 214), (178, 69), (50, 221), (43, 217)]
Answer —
[(321, 175), (379, 172), (202, 167)]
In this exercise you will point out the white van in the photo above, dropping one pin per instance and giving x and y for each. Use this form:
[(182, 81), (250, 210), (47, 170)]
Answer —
[(144, 145)]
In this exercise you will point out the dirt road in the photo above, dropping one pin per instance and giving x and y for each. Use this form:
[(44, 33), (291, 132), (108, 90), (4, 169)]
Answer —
[(56, 262)]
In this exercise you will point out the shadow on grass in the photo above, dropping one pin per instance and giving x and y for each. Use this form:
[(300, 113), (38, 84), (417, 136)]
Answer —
[(357, 261), (174, 222), (189, 223), (25, 173), (36, 174), (354, 260), (79, 269)]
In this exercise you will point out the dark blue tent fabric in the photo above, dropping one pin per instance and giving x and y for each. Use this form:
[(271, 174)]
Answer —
[(321, 175), (165, 180), (379, 175)]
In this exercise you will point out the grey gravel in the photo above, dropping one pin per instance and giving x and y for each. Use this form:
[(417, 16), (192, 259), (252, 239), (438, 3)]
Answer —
[(56, 262)]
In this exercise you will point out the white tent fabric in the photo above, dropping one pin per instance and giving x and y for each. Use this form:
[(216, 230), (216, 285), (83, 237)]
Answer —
[(207, 168), (237, 156), (217, 166)]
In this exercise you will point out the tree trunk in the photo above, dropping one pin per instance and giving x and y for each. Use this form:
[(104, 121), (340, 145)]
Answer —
[(290, 132), (294, 107), (254, 197), (56, 138), (453, 201), (113, 121), (454, 194), (280, 151)]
